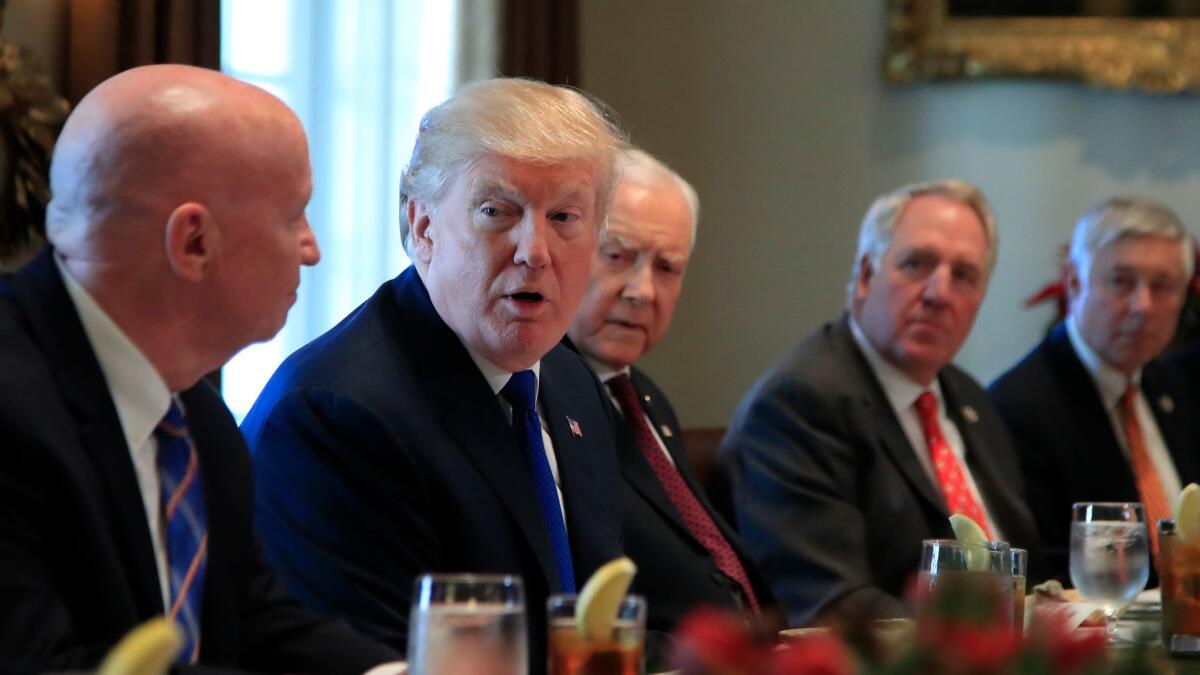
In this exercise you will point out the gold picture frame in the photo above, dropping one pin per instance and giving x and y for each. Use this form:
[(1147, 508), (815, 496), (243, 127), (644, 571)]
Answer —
[(923, 42)]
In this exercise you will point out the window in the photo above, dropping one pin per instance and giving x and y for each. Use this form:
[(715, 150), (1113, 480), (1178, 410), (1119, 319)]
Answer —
[(359, 73)]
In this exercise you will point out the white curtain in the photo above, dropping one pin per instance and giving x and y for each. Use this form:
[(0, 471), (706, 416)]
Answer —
[(359, 73)]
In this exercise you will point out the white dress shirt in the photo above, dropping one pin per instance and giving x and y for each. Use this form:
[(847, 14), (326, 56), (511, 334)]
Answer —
[(1110, 383), (141, 399), (902, 392), (605, 374), (496, 378)]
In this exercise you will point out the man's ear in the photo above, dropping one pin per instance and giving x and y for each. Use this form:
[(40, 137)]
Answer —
[(1072, 282), (192, 241), (865, 271), (420, 230)]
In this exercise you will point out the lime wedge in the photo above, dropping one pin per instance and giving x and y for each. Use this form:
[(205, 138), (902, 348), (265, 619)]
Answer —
[(968, 531), (596, 609), (1187, 514), (149, 649)]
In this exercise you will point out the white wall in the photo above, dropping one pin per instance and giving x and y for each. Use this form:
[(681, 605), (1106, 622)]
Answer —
[(776, 111)]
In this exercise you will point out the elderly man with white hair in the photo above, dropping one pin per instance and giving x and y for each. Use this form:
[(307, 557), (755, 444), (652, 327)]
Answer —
[(441, 427), (1095, 415), (865, 439)]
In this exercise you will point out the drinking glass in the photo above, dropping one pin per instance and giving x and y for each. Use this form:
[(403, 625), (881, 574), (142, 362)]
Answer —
[(619, 654), (467, 624), (1020, 564), (955, 574), (1110, 555), (1179, 577)]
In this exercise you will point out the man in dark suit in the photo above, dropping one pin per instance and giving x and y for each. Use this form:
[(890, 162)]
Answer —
[(1096, 417), (177, 229), (685, 553), (400, 442), (865, 439)]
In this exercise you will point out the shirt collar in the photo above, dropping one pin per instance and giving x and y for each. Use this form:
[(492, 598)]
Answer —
[(604, 371), (138, 391), (900, 389), (497, 377), (1110, 381)]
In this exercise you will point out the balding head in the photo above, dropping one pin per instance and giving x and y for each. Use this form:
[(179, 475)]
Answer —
[(178, 199)]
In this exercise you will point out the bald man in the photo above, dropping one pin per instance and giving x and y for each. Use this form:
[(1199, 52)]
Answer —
[(177, 231)]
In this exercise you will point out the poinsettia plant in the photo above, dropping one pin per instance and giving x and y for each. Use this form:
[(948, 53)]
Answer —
[(952, 638)]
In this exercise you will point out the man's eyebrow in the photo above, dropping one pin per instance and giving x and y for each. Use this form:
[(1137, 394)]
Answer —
[(494, 188)]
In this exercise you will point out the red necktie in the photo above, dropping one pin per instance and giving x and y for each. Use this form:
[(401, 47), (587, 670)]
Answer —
[(694, 516), (945, 463), (1154, 498)]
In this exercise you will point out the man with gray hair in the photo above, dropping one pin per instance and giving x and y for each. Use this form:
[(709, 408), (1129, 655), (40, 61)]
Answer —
[(1096, 417), (441, 427), (865, 439)]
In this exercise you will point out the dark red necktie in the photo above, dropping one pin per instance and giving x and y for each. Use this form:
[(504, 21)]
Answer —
[(694, 516)]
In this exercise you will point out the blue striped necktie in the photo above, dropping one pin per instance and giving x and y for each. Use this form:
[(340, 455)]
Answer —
[(521, 394), (186, 525)]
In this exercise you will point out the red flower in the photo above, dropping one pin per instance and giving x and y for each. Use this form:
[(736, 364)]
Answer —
[(977, 648), (712, 641), (817, 655), (1070, 651)]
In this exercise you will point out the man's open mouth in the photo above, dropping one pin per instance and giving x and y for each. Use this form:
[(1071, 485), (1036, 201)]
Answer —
[(527, 296)]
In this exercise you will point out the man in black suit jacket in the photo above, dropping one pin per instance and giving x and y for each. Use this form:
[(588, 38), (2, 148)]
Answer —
[(388, 447), (835, 467), (686, 554), (162, 208), (1065, 401)]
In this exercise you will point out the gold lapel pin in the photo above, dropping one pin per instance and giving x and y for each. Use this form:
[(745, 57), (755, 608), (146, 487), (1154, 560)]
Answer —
[(969, 414), (666, 431), (1166, 403)]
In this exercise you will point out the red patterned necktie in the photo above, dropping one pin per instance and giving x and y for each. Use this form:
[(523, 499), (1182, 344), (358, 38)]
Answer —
[(945, 463), (1154, 498), (694, 516)]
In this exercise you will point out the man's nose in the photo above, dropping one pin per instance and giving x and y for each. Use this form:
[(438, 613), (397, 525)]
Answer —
[(533, 249), (310, 252), (937, 285), (639, 285)]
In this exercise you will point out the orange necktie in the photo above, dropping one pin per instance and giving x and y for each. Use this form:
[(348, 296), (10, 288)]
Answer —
[(1154, 499), (945, 463)]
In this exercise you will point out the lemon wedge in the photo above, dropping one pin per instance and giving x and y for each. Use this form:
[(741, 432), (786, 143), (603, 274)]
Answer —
[(149, 649), (596, 609), (968, 531), (1187, 514)]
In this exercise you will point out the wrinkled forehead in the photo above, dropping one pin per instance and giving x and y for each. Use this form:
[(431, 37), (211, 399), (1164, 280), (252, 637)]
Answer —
[(530, 182)]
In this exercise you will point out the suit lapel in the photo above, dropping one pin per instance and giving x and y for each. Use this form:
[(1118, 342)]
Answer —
[(877, 414), (586, 493), (1171, 423), (1090, 422), (55, 324), (472, 415)]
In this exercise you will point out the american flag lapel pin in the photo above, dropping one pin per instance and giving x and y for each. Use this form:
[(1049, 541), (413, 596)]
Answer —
[(1166, 404), (969, 414), (574, 425), (666, 431)]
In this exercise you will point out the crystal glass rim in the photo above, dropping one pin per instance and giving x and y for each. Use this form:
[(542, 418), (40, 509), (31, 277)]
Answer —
[(994, 545)]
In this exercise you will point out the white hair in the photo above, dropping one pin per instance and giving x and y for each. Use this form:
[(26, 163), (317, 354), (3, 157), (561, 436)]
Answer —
[(875, 234), (641, 168), (1126, 217), (520, 119)]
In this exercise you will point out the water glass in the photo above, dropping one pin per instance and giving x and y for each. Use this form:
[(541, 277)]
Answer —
[(955, 574), (1110, 555), (468, 624), (1020, 565), (621, 653)]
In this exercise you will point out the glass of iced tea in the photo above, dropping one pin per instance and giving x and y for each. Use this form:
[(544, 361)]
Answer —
[(1020, 564), (467, 624), (1179, 576), (620, 653), (958, 577)]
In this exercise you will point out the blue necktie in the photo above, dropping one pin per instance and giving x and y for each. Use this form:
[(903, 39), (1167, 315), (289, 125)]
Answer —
[(186, 525), (521, 394)]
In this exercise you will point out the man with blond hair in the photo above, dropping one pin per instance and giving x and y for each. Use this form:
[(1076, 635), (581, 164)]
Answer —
[(177, 232), (441, 427), (865, 439)]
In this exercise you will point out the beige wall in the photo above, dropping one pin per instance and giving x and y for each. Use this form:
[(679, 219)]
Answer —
[(775, 110)]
